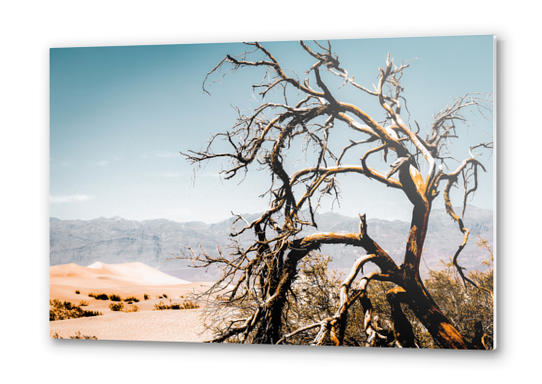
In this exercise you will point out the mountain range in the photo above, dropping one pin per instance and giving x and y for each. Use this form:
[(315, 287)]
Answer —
[(157, 242)]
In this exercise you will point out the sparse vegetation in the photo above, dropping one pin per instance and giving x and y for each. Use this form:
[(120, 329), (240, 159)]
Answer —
[(77, 292), (99, 296), (315, 294), (116, 306), (65, 310), (83, 303), (132, 298), (119, 307), (132, 308), (78, 335), (114, 297), (468, 306), (185, 305), (146, 297)]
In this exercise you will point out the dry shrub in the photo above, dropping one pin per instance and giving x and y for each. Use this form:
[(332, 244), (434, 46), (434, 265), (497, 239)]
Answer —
[(65, 310), (116, 306), (78, 335), (99, 296), (132, 298), (185, 305)]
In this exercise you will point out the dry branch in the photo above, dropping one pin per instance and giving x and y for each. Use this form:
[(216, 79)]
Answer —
[(260, 277)]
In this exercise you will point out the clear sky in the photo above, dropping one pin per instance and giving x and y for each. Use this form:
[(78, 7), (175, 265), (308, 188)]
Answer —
[(121, 115)]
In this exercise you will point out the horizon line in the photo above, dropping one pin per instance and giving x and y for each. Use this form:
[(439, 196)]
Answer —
[(116, 217)]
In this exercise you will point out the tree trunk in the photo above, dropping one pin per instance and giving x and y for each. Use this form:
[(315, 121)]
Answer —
[(402, 329), (269, 330), (438, 325), (421, 303)]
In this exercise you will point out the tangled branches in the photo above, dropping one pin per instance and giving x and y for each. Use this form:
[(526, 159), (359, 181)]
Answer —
[(250, 302)]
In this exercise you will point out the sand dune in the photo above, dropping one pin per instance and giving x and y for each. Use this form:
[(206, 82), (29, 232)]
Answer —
[(179, 326), (135, 272), (126, 280)]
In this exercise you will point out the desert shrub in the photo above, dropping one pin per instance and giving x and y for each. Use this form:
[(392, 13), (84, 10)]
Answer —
[(160, 306), (185, 305), (114, 297), (119, 307), (116, 306), (190, 305), (99, 296), (83, 303), (78, 292), (470, 309), (65, 310), (316, 292), (165, 296), (78, 335), (132, 298), (146, 297)]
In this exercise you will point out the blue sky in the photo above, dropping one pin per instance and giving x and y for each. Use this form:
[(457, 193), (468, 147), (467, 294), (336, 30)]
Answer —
[(121, 115)]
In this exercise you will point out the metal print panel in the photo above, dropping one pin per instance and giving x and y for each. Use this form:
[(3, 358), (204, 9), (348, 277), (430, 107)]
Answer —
[(328, 193)]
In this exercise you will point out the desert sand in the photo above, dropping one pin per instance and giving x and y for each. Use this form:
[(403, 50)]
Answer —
[(126, 280)]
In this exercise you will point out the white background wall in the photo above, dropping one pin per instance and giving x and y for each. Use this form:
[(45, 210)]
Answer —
[(28, 29)]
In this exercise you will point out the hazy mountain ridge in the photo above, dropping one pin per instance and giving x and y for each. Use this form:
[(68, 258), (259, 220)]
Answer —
[(153, 242)]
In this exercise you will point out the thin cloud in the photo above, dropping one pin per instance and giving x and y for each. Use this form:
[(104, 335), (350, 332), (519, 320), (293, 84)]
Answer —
[(102, 163), (69, 199)]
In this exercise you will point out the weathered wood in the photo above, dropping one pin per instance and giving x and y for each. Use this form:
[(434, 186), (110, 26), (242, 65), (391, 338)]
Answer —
[(263, 274)]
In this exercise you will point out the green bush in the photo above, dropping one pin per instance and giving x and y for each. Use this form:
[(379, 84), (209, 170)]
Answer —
[(66, 310)]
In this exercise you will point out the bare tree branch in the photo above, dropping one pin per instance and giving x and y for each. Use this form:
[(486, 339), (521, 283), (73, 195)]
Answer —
[(250, 302)]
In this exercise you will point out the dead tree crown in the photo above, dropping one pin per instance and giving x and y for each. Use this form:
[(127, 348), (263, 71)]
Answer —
[(306, 113)]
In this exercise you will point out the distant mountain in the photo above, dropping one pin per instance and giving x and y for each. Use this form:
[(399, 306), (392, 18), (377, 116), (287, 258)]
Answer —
[(153, 242), (115, 241)]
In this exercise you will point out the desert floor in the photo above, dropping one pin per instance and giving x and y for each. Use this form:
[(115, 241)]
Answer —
[(126, 280)]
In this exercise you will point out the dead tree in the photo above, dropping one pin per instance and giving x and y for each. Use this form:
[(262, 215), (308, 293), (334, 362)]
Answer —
[(248, 302)]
